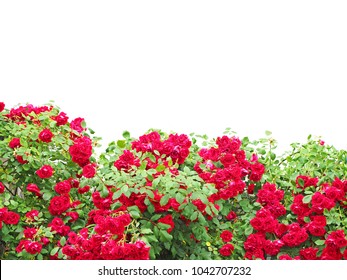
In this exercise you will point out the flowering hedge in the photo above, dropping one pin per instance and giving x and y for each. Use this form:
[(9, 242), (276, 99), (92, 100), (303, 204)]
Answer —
[(164, 196)]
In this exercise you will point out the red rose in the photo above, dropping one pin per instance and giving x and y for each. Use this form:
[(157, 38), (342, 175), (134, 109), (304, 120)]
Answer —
[(21, 160), (231, 216), (76, 124), (30, 233), (33, 247), (2, 187), (2, 106), (81, 151), (226, 236), (199, 204), (46, 135), (32, 214), (83, 190), (34, 189), (11, 218), (14, 143), (169, 221), (226, 250), (73, 215), (63, 187), (309, 253), (89, 171), (61, 119), (58, 205), (45, 171), (3, 212)]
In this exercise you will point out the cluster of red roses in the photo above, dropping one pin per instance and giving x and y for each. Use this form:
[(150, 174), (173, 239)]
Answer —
[(226, 167), (265, 222), (8, 217), (108, 240)]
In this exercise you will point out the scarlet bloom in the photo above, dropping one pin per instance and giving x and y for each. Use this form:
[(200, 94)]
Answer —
[(61, 119), (11, 218), (226, 250), (2, 106), (83, 189), (169, 221), (45, 171), (14, 143), (76, 124), (89, 170), (21, 160), (30, 233), (2, 187), (58, 205), (33, 247), (34, 189), (226, 236), (32, 214), (46, 135), (63, 187)]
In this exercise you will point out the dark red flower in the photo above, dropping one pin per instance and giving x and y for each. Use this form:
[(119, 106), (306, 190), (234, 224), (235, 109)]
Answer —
[(33, 247), (14, 143), (226, 236), (46, 135), (2, 106), (89, 170), (226, 250), (34, 189), (59, 204), (61, 118), (169, 221), (45, 171), (63, 187), (2, 187), (11, 218)]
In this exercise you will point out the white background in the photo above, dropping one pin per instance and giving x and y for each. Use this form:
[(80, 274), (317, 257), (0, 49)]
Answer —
[(183, 66)]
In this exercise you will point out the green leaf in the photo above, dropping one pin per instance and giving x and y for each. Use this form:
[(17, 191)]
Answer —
[(126, 134), (319, 242), (63, 241), (121, 144), (268, 133), (194, 216), (164, 200), (160, 168), (54, 251), (47, 196), (146, 231), (180, 198), (165, 236), (301, 182), (307, 199)]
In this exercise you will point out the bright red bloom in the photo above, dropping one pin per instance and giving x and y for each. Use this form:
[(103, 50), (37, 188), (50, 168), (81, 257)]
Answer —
[(2, 106), (309, 253), (58, 205), (63, 187), (30, 232), (226, 236), (46, 135), (11, 218), (76, 124), (32, 214), (2, 187), (33, 247), (226, 250), (83, 189), (169, 221), (14, 143), (89, 170), (34, 189), (81, 151), (45, 171), (61, 118), (21, 160)]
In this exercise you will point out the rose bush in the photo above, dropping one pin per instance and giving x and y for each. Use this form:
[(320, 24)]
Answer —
[(164, 196)]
